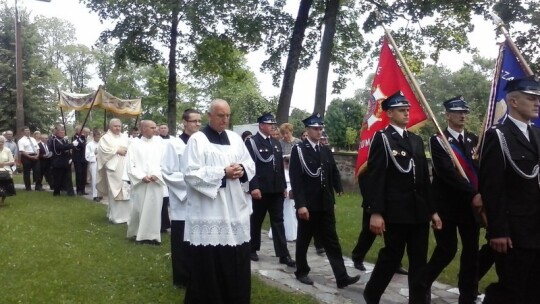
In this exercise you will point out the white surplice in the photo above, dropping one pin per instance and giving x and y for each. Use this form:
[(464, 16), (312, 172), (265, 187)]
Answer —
[(215, 215), (174, 179), (144, 158)]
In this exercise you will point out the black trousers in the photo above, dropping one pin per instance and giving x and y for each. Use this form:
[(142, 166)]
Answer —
[(447, 245), (365, 239), (396, 238), (31, 165), (323, 224), (81, 169), (165, 220), (62, 180), (219, 275), (273, 204), (45, 168), (179, 254), (518, 272), (486, 259)]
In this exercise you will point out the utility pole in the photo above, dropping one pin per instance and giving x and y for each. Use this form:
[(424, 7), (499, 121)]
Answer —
[(19, 110)]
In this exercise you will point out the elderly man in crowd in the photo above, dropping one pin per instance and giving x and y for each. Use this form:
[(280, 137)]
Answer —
[(147, 183), (215, 164), (111, 160), (11, 144)]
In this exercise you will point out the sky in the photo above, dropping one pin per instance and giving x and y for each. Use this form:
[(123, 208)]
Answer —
[(89, 27)]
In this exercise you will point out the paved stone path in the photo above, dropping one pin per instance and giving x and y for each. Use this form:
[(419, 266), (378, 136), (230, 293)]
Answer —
[(325, 289)]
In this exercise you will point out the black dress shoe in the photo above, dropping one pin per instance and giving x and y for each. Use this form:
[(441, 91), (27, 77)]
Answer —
[(254, 257), (360, 266), (287, 261), (347, 281), (402, 271), (305, 280)]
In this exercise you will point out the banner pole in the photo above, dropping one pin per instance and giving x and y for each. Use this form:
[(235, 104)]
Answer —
[(500, 24), (91, 106)]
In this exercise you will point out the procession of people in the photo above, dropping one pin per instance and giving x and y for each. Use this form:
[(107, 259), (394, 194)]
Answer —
[(220, 186)]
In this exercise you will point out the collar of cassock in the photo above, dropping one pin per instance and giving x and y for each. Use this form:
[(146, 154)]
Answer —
[(215, 137)]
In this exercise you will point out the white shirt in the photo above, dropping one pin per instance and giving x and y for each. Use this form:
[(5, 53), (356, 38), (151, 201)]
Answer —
[(313, 144), (521, 125), (456, 134), (28, 145), (398, 129)]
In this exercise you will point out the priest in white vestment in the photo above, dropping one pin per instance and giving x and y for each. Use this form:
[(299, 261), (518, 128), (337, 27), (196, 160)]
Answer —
[(112, 149), (144, 171), (174, 178), (215, 163)]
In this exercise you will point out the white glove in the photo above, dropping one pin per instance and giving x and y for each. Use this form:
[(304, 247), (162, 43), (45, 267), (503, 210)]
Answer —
[(75, 142)]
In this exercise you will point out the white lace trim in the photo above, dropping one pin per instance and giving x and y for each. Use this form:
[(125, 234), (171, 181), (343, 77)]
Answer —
[(217, 232)]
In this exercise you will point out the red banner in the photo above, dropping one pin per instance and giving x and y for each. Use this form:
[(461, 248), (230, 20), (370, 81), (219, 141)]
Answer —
[(388, 79)]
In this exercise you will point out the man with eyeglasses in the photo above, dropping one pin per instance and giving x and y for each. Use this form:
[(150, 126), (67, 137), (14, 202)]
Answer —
[(174, 179), (314, 177)]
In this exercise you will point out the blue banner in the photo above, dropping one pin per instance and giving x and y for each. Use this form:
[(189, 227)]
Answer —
[(508, 68)]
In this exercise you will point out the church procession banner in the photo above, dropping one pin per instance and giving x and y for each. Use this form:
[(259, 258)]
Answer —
[(103, 99), (388, 79)]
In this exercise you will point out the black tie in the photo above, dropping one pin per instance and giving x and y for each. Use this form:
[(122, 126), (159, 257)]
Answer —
[(461, 143), (317, 148), (405, 135)]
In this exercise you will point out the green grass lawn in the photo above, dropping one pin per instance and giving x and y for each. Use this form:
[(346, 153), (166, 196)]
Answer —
[(63, 250)]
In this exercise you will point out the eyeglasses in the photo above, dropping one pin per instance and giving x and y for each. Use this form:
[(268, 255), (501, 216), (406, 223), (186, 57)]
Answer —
[(194, 121)]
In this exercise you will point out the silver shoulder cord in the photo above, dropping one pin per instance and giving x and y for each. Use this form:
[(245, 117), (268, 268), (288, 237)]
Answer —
[(304, 165), (393, 158), (258, 155), (507, 157), (54, 146)]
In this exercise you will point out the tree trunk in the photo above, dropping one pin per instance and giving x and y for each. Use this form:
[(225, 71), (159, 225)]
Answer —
[(327, 44), (293, 60), (171, 97)]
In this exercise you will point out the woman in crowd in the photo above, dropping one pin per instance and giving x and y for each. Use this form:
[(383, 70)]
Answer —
[(6, 181), (288, 140)]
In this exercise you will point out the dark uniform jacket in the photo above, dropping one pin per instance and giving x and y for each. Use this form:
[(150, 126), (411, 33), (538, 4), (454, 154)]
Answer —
[(402, 198), (452, 193), (269, 177), (512, 202), (61, 150), (315, 193)]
